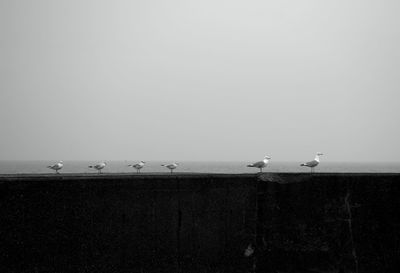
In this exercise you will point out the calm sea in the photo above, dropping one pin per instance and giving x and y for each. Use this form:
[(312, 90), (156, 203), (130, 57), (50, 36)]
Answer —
[(23, 167)]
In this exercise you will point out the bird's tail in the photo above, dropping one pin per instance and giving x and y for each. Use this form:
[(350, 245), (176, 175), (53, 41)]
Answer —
[(163, 165), (250, 165), (90, 166), (303, 164), (49, 167)]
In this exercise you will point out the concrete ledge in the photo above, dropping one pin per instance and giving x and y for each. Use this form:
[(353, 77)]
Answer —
[(184, 222)]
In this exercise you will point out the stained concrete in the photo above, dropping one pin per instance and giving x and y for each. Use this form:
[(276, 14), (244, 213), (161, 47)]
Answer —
[(288, 222)]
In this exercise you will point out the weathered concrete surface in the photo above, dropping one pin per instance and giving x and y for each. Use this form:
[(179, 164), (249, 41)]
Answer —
[(126, 223), (200, 223), (329, 223)]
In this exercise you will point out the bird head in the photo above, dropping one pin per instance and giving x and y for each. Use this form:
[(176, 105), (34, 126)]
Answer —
[(267, 157), (319, 154)]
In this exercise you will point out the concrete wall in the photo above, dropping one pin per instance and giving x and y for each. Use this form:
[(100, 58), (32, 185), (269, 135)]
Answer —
[(200, 223), (329, 223), (126, 223)]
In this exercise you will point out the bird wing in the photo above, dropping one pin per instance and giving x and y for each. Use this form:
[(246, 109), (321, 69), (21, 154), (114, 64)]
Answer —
[(171, 165), (56, 166), (258, 164), (312, 163), (99, 166)]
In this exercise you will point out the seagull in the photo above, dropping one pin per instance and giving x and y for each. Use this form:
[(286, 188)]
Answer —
[(171, 166), (138, 166), (57, 166), (260, 164), (99, 166), (314, 163)]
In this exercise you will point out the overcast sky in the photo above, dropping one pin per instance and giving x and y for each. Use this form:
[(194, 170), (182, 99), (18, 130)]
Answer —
[(200, 80)]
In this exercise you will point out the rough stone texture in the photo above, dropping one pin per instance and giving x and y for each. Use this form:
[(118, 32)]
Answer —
[(329, 223), (126, 223), (200, 223)]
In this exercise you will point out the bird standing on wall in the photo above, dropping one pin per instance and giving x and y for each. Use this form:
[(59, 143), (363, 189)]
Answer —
[(138, 166), (171, 166), (99, 166), (58, 166), (312, 164), (260, 164)]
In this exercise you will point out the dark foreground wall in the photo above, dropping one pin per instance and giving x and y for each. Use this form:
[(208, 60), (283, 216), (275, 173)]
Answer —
[(200, 223), (126, 223), (329, 223)]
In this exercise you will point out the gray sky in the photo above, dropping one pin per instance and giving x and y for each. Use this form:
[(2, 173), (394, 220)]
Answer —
[(200, 80)]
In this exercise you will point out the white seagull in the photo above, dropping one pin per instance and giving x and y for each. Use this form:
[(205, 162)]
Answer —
[(260, 164), (99, 166), (314, 163), (56, 167), (138, 166), (171, 166)]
